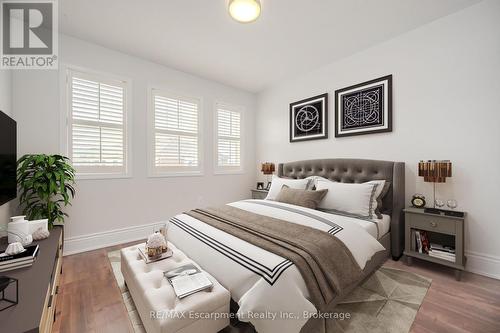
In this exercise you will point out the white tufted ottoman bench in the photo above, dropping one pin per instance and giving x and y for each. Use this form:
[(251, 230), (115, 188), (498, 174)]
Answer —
[(159, 307)]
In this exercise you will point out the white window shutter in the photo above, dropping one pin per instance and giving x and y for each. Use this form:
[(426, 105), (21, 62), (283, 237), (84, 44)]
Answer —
[(228, 126), (97, 124), (176, 134)]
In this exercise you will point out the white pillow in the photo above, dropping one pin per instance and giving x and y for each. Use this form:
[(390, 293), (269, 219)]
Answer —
[(277, 183), (349, 198), (378, 191)]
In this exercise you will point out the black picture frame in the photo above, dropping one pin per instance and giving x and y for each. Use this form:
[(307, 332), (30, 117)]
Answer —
[(317, 130), (379, 119)]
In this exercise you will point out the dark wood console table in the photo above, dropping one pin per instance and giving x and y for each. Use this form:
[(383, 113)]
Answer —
[(38, 288)]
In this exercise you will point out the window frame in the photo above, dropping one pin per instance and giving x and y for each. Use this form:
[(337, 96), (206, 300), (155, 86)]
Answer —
[(67, 72), (160, 172), (228, 170)]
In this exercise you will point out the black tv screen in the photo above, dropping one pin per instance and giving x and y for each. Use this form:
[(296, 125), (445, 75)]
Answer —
[(8, 158)]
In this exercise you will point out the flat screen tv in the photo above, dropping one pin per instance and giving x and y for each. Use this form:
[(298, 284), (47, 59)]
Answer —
[(8, 158)]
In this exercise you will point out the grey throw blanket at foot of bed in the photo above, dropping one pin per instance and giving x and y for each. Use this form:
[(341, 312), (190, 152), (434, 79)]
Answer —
[(325, 263)]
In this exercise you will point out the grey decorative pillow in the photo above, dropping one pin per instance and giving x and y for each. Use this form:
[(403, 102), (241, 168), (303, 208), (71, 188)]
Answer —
[(304, 198)]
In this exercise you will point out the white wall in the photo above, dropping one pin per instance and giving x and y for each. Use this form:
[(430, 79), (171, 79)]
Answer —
[(6, 107), (446, 84), (108, 205)]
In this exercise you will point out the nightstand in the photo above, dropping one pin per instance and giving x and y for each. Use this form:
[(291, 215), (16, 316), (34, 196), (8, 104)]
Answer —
[(259, 194), (440, 229)]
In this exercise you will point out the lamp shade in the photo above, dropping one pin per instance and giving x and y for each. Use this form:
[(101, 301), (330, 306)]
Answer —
[(267, 168), (434, 171)]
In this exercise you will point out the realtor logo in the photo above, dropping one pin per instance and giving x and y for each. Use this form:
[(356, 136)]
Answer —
[(28, 34)]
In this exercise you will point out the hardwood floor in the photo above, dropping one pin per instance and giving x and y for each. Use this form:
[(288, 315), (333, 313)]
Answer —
[(469, 305), (90, 300)]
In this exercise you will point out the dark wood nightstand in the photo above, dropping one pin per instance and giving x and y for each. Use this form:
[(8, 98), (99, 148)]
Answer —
[(441, 229), (259, 194)]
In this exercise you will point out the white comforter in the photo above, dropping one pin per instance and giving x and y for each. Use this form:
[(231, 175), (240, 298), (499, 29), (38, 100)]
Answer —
[(269, 289)]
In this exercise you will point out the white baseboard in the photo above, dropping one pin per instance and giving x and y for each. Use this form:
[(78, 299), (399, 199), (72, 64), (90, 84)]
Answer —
[(483, 264), (99, 240)]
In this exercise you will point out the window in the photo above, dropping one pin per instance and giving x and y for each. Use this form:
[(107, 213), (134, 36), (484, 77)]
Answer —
[(176, 136), (97, 125), (228, 145)]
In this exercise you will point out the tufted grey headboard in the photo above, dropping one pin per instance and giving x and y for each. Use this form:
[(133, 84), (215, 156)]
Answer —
[(360, 171)]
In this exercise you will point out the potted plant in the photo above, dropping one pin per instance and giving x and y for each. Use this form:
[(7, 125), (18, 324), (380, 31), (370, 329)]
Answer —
[(46, 186)]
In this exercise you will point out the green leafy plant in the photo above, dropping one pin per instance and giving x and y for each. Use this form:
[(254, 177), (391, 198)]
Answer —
[(46, 186)]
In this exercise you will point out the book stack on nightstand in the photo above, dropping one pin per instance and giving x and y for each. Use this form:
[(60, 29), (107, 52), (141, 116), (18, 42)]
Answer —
[(435, 238)]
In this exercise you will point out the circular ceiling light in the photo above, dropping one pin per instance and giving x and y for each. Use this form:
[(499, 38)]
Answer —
[(244, 11)]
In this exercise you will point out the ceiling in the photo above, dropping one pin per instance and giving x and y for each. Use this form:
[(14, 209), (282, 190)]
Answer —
[(291, 37)]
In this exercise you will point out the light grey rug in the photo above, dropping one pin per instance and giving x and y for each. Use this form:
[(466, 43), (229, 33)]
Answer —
[(385, 303), (115, 260)]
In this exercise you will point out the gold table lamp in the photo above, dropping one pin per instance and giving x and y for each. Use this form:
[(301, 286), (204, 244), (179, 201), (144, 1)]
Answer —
[(434, 171), (267, 169)]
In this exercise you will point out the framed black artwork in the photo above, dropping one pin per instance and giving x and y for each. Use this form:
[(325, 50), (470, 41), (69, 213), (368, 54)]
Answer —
[(309, 119), (364, 108)]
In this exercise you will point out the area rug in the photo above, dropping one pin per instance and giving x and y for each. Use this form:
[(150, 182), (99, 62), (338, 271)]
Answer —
[(115, 260), (387, 302)]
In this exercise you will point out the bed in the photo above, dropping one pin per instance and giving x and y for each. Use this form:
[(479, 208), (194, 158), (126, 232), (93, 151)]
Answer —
[(269, 289), (359, 171)]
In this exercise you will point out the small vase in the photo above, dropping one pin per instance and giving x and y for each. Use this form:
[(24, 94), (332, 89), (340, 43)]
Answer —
[(37, 224), (17, 231)]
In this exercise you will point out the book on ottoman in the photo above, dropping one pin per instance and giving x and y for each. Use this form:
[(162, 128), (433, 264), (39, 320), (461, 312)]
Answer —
[(187, 280)]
